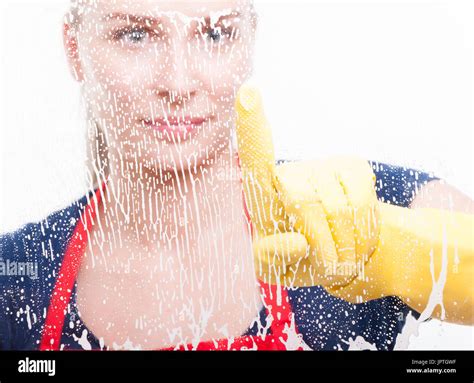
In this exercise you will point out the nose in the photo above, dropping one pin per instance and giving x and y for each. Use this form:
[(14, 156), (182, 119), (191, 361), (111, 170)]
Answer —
[(179, 81)]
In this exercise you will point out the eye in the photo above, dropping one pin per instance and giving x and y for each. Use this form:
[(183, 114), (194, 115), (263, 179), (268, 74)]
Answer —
[(216, 34), (132, 35)]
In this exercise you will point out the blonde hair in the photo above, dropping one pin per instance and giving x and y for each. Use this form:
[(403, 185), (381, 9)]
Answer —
[(97, 161)]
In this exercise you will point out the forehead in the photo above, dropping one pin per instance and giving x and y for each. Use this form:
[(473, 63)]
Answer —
[(189, 8)]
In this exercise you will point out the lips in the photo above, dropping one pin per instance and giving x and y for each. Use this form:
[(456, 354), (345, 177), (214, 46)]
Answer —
[(176, 129)]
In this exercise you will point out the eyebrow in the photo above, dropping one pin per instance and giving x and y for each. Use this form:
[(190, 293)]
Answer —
[(143, 18), (127, 17)]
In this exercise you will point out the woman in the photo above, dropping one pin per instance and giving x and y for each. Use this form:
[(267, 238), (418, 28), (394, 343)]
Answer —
[(159, 254)]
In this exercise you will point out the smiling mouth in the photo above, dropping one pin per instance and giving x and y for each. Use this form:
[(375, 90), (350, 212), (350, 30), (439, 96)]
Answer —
[(176, 130)]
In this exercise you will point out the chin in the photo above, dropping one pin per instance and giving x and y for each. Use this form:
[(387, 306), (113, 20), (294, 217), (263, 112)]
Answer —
[(179, 159)]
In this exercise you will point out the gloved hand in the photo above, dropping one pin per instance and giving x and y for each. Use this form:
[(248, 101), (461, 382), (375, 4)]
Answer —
[(303, 231), (316, 222), (425, 257)]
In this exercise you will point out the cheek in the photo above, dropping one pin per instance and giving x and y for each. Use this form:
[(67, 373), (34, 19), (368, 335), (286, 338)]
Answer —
[(114, 84), (109, 65), (223, 75), (228, 69)]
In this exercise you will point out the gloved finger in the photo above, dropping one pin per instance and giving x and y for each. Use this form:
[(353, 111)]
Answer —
[(281, 249), (338, 214), (376, 278), (275, 254), (358, 181), (305, 211), (257, 161)]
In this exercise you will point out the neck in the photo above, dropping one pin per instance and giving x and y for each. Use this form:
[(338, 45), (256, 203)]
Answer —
[(189, 228)]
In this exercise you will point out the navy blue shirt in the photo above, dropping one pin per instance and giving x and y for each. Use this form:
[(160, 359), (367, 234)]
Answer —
[(325, 322)]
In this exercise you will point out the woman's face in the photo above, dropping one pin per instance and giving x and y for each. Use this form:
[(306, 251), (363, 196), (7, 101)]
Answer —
[(160, 77)]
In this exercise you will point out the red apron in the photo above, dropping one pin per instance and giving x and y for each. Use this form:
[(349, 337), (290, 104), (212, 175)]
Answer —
[(275, 298)]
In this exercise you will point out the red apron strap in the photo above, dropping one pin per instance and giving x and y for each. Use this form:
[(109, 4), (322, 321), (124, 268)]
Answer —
[(54, 322)]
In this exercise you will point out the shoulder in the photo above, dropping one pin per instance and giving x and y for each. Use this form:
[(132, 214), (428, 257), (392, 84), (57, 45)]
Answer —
[(397, 184), (44, 239), (30, 257)]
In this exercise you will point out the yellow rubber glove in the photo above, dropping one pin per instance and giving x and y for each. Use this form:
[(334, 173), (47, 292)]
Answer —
[(426, 257), (298, 237), (315, 221)]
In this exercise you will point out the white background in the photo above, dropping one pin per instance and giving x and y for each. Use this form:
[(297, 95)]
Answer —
[(386, 80)]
